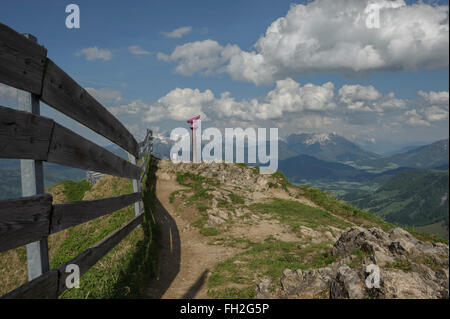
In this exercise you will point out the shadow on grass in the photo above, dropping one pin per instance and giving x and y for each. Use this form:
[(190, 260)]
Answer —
[(143, 264)]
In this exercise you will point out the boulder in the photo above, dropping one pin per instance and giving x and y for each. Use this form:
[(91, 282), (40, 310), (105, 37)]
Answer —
[(313, 283), (396, 283), (347, 285)]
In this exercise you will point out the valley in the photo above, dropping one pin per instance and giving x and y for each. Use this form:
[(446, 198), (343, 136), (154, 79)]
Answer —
[(408, 188)]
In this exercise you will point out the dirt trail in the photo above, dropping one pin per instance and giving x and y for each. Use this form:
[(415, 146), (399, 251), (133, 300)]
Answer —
[(185, 257)]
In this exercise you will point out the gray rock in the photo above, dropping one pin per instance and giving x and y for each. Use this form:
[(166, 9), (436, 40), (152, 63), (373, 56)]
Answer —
[(347, 285), (262, 290), (214, 221), (313, 283)]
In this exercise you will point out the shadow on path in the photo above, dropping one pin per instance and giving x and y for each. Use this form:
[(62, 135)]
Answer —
[(169, 252), (195, 288)]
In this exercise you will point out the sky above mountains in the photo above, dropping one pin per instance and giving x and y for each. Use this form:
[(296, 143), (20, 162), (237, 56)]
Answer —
[(305, 66)]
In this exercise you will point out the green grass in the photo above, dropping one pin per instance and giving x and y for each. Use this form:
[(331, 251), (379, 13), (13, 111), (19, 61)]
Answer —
[(267, 259), (74, 191), (236, 199), (360, 255), (222, 203), (194, 181), (202, 207), (199, 195), (439, 229), (205, 231), (401, 264), (234, 293), (430, 261), (358, 216), (295, 214), (281, 179), (175, 193), (125, 270), (209, 231), (199, 223), (411, 197)]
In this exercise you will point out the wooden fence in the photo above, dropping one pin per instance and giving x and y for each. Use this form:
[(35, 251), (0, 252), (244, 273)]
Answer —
[(33, 138)]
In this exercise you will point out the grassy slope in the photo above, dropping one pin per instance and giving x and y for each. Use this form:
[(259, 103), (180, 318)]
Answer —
[(123, 271), (412, 197)]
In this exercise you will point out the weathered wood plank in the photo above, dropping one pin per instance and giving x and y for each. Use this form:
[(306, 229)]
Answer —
[(68, 148), (24, 135), (29, 136), (22, 62), (43, 287), (64, 94), (68, 215), (24, 220), (92, 255)]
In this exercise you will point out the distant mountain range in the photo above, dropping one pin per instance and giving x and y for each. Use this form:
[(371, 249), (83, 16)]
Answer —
[(433, 155), (328, 147)]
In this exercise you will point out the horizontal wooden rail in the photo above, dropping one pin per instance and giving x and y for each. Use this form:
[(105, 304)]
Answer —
[(71, 214), (22, 61), (29, 219), (64, 94), (42, 287), (92, 255), (24, 220), (24, 65), (28, 136), (53, 283)]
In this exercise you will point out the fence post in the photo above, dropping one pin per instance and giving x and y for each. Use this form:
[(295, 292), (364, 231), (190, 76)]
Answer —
[(32, 178), (136, 186)]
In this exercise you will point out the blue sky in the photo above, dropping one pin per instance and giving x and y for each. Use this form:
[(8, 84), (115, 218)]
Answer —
[(126, 81)]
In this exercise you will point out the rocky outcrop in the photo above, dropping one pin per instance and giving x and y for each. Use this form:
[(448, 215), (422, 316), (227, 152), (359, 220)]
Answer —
[(371, 263), (347, 284), (222, 181), (234, 176), (312, 283)]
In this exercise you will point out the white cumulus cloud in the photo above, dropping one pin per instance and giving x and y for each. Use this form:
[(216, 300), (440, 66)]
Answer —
[(435, 98), (362, 98), (95, 53), (180, 105), (433, 107), (137, 50), (201, 56), (329, 36), (178, 33)]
